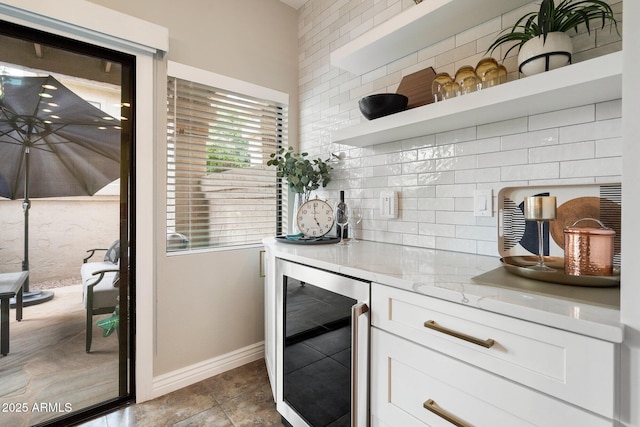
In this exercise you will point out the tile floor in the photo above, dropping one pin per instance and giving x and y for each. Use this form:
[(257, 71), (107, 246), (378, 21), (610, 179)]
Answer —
[(240, 397)]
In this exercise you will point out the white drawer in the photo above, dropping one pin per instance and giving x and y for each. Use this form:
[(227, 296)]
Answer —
[(405, 375), (572, 367)]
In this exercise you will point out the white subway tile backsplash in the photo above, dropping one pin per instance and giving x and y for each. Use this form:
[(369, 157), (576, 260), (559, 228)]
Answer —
[(455, 218), (436, 178), (419, 241), (479, 31), (454, 136), (403, 227), (488, 248), (497, 159), (506, 127), (530, 139), (458, 245), (475, 232), (609, 110), (433, 229), (611, 147), (477, 146), (455, 190), (436, 203), (530, 172), (477, 175), (439, 48), (580, 150), (591, 168), (560, 118), (590, 131), (402, 180), (436, 174)]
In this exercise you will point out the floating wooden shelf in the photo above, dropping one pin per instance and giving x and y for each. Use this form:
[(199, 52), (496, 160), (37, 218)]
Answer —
[(417, 27), (587, 82)]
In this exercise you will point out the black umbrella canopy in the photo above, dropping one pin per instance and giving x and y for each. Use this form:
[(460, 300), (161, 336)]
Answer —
[(73, 147), (52, 144)]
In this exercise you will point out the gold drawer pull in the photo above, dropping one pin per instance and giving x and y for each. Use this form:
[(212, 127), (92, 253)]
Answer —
[(432, 406), (431, 324)]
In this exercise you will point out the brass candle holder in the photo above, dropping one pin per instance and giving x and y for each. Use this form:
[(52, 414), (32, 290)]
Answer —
[(540, 209)]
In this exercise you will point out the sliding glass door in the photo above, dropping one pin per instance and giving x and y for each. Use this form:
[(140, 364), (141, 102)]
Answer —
[(66, 203)]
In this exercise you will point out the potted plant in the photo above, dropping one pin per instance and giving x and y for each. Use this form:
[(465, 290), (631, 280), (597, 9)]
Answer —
[(541, 37), (302, 174)]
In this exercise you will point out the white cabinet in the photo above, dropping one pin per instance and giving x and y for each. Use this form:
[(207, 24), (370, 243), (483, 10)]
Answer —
[(269, 261), (482, 367)]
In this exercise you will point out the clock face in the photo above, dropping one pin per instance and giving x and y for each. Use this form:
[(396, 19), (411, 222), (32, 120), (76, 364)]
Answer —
[(315, 218)]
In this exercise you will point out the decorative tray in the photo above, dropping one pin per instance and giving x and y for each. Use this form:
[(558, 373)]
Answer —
[(307, 240), (518, 239), (519, 265)]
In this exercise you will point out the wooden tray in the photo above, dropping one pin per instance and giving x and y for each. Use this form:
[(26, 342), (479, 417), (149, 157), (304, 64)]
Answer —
[(417, 87)]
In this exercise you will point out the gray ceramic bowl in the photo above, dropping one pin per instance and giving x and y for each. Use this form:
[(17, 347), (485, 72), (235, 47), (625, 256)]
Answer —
[(382, 104)]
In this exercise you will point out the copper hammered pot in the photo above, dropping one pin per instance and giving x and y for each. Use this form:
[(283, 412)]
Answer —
[(588, 251)]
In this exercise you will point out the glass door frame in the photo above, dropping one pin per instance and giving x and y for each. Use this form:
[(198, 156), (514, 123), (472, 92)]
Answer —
[(149, 43), (126, 352)]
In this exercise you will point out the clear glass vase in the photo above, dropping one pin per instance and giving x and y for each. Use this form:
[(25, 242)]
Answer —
[(298, 200)]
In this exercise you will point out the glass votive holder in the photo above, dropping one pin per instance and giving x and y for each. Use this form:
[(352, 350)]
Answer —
[(439, 86), (451, 90), (467, 79), (502, 74), (486, 69)]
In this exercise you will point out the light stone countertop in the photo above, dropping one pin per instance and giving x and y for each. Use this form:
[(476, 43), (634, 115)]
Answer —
[(452, 276)]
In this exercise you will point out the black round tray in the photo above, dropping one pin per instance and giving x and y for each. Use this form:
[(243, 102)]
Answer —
[(308, 240)]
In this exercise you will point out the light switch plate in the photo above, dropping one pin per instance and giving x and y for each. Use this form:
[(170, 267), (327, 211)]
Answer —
[(388, 204), (483, 202)]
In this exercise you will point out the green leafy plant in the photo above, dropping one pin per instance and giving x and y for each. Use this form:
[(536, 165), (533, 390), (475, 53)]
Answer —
[(565, 16), (302, 174)]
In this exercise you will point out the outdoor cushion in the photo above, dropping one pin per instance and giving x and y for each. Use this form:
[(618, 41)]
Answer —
[(104, 293), (113, 253)]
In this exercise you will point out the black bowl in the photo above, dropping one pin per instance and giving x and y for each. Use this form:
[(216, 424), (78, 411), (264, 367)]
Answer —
[(382, 104)]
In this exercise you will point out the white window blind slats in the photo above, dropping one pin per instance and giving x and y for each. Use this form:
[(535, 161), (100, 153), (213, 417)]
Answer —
[(219, 190)]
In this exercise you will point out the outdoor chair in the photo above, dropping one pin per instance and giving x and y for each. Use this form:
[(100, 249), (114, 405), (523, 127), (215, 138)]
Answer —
[(100, 285)]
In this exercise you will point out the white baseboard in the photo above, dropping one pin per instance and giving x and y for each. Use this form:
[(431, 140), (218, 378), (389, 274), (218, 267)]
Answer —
[(183, 377)]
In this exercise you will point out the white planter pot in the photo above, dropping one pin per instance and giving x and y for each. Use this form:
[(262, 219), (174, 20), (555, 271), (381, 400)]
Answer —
[(557, 49)]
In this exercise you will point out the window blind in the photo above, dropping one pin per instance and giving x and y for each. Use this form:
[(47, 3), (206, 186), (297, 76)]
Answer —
[(220, 192)]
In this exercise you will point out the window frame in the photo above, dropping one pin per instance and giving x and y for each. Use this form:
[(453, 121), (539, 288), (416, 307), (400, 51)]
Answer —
[(215, 80)]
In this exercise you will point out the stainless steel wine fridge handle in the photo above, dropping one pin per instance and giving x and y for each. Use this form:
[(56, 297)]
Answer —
[(432, 406), (356, 311), (431, 324)]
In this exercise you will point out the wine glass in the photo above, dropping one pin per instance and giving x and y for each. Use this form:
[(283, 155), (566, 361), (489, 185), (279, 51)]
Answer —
[(540, 209), (342, 218), (356, 218)]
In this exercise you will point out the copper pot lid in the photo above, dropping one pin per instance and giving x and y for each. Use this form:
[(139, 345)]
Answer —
[(602, 230)]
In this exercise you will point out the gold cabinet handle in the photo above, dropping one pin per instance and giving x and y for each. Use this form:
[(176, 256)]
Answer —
[(431, 324), (432, 406), (356, 311), (262, 263)]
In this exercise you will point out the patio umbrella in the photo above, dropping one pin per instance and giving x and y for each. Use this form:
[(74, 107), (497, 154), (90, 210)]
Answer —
[(52, 144)]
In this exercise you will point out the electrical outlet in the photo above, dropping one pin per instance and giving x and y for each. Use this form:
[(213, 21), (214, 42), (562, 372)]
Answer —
[(388, 204)]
